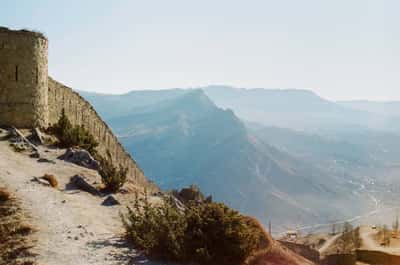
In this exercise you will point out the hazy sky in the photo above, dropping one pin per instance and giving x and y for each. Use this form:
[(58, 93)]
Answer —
[(341, 49)]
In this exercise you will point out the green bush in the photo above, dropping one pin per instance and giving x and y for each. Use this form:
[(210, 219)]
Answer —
[(217, 234), (204, 233), (73, 136), (77, 136), (113, 178), (157, 230)]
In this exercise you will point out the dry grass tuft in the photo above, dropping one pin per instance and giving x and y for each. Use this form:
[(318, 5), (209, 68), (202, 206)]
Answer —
[(51, 179), (4, 195), (14, 243)]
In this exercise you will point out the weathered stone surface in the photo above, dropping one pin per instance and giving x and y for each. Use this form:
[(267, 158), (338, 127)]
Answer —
[(80, 183), (18, 137), (23, 79), (20, 146), (110, 201), (80, 157), (80, 112), (35, 155), (29, 98), (40, 181), (37, 136), (45, 160)]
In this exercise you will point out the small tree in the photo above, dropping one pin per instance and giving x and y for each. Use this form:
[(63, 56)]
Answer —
[(73, 136), (157, 230), (113, 178), (217, 234), (205, 233)]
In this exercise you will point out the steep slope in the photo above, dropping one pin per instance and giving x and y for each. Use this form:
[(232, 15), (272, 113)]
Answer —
[(72, 227), (187, 139), (336, 154), (279, 255), (290, 108)]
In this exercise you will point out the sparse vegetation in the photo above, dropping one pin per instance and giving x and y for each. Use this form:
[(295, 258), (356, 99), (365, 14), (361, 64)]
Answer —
[(73, 136), (204, 233), (113, 178), (350, 239), (14, 247), (51, 179), (77, 136), (4, 195), (191, 194)]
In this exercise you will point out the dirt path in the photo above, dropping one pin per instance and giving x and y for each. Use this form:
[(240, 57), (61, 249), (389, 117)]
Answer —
[(73, 227), (369, 243)]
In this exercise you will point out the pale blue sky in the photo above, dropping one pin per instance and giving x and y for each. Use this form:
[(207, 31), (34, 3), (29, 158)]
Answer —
[(341, 49)]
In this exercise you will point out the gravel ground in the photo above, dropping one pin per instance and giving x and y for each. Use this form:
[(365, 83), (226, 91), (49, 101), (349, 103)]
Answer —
[(73, 227)]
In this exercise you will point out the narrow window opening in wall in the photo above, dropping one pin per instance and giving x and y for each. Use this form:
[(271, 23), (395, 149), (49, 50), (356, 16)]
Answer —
[(16, 73), (37, 75)]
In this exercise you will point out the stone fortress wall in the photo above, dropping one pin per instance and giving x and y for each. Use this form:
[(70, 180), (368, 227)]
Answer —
[(29, 98), (80, 112), (23, 78)]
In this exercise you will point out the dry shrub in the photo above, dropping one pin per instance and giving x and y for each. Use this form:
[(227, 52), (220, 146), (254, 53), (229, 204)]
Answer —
[(112, 177), (51, 179), (23, 230), (73, 136), (14, 246), (205, 233), (4, 195)]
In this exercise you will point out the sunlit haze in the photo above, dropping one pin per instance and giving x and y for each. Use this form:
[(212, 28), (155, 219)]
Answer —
[(339, 49)]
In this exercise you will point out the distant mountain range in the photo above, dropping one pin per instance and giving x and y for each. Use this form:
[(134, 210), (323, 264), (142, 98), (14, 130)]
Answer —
[(302, 109), (180, 137), (390, 108)]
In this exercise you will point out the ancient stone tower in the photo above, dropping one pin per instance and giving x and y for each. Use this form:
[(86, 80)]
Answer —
[(23, 78), (30, 98)]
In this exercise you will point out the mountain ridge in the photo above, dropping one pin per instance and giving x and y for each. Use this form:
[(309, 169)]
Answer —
[(188, 139)]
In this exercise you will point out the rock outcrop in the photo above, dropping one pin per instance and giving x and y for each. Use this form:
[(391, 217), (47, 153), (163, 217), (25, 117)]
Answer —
[(80, 157)]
